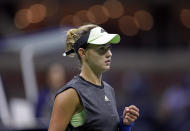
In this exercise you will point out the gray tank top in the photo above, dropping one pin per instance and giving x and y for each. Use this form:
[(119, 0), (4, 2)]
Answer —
[(99, 105)]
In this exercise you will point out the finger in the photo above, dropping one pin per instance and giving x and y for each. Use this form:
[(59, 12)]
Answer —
[(131, 116), (134, 108), (125, 122), (125, 111), (130, 120), (133, 112)]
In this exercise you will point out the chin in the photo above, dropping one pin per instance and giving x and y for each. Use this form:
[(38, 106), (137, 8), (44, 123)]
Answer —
[(106, 68)]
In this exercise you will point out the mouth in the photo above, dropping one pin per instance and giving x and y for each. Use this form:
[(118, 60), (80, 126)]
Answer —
[(108, 62)]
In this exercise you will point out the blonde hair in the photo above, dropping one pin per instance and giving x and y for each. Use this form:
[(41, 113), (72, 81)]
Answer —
[(74, 34)]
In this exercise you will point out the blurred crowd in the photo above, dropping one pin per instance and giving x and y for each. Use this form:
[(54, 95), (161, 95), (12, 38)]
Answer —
[(55, 79)]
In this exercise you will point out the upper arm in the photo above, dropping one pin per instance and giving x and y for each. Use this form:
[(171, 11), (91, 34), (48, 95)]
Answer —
[(64, 106)]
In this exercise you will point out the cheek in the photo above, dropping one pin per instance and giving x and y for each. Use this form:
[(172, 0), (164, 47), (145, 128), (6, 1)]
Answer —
[(95, 59)]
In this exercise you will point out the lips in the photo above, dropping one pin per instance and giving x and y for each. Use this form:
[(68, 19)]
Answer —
[(108, 61)]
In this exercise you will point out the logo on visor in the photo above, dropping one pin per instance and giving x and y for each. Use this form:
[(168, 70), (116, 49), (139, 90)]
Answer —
[(102, 30)]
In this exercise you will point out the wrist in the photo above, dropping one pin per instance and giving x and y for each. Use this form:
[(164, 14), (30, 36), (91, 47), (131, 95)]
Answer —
[(124, 127)]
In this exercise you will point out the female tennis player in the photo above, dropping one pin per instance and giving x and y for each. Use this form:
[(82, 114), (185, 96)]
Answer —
[(87, 103)]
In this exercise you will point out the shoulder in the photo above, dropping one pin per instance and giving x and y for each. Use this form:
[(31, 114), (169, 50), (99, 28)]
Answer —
[(68, 93), (65, 98), (71, 84)]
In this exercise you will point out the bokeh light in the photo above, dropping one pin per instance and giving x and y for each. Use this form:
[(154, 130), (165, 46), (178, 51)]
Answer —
[(144, 20), (67, 20), (76, 20), (38, 13), (185, 17), (91, 17), (115, 8), (80, 18), (128, 26), (97, 14), (21, 20)]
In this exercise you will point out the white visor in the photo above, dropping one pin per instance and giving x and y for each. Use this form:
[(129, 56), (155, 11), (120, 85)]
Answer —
[(99, 36)]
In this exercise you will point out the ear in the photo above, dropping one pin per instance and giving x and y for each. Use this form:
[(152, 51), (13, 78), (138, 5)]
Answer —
[(81, 52)]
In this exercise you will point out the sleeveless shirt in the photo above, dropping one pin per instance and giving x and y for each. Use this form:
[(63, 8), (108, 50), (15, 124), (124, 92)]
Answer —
[(99, 105)]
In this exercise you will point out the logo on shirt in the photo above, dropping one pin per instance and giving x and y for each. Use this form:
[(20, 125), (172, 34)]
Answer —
[(106, 98)]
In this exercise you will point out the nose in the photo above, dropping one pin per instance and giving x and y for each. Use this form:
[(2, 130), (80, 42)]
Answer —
[(108, 54)]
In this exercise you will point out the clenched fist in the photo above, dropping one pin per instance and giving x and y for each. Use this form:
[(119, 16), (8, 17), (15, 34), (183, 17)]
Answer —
[(130, 114)]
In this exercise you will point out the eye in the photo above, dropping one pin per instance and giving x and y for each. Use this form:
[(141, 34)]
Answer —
[(102, 49), (109, 47)]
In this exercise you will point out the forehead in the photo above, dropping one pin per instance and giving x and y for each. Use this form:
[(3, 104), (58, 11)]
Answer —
[(99, 46)]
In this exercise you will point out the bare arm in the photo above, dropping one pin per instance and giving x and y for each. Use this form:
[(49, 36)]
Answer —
[(65, 106)]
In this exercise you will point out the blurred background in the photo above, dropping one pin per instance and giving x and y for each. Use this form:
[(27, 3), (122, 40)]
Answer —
[(150, 66)]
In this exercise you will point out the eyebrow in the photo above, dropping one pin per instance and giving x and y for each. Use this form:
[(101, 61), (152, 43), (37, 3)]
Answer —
[(100, 46), (103, 46)]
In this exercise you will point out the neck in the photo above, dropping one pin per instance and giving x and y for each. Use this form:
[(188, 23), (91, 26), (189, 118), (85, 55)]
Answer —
[(91, 75)]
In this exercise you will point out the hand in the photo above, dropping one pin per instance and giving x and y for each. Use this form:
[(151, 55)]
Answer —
[(130, 114)]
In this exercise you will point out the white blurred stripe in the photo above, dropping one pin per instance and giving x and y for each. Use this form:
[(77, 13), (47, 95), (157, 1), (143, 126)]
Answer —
[(29, 77), (4, 112)]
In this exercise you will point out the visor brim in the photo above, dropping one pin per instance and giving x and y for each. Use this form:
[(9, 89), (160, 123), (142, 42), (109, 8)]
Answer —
[(106, 38)]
